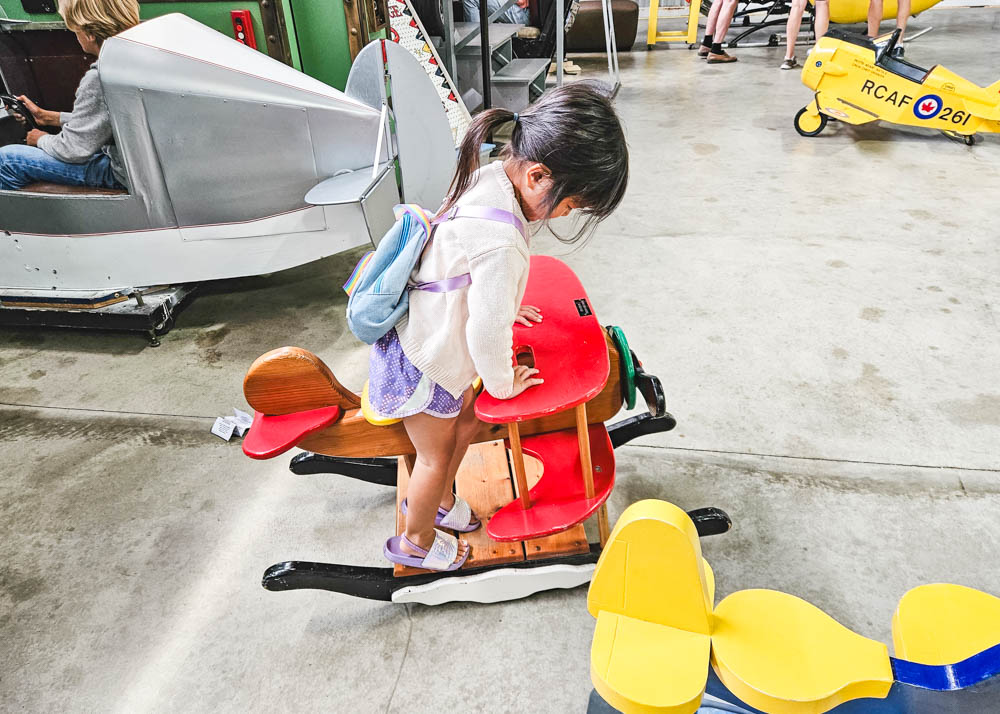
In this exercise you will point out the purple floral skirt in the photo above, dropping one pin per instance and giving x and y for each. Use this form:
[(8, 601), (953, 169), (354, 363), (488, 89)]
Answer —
[(397, 389)]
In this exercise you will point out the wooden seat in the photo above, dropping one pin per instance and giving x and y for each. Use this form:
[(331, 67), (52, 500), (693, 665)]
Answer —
[(559, 500), (64, 190)]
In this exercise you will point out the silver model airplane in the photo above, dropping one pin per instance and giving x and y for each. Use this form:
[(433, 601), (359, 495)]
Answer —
[(222, 144)]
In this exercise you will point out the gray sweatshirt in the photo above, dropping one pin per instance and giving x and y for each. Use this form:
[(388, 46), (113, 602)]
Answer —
[(86, 130)]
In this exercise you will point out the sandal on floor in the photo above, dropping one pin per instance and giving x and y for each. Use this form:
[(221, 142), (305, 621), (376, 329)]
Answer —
[(724, 58), (459, 518), (703, 52), (441, 555), (789, 63)]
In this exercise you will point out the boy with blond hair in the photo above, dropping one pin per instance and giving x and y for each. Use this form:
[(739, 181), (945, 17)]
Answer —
[(83, 153)]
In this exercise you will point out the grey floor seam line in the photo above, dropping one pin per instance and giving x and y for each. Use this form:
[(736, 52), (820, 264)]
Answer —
[(636, 446), (402, 662), (106, 411), (811, 458)]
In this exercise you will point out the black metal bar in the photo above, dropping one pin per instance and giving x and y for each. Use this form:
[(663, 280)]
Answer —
[(487, 59), (379, 471), (710, 521), (735, 42), (379, 583), (650, 388), (625, 430)]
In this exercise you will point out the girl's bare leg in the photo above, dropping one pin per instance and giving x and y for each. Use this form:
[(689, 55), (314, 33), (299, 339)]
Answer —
[(466, 427), (434, 439)]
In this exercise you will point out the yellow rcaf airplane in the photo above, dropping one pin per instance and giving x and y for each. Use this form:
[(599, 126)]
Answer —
[(859, 80)]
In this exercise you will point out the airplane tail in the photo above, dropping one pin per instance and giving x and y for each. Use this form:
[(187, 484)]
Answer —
[(291, 379)]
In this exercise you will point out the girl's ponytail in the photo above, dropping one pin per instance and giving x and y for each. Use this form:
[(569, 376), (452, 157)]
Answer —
[(478, 133)]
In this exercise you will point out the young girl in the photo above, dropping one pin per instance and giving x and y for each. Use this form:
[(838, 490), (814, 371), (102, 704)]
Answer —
[(566, 152)]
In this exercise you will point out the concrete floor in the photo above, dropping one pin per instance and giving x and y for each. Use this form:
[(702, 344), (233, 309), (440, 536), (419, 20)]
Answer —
[(823, 315)]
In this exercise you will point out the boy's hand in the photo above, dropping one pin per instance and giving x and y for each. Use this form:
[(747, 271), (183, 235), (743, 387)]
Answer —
[(524, 378), (526, 313), (42, 117), (33, 136)]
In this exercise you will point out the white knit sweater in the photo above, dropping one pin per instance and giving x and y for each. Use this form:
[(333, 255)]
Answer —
[(451, 337)]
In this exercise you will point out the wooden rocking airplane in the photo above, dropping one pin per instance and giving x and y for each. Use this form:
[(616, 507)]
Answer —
[(534, 539)]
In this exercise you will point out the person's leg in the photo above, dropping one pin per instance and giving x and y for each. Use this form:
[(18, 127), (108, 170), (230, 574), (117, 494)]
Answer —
[(718, 55), (902, 15), (471, 10), (466, 426), (874, 17), (21, 165), (513, 15), (822, 18), (98, 173), (434, 439), (713, 16), (792, 31)]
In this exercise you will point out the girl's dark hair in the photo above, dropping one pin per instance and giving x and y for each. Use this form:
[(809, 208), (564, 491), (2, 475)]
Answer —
[(575, 133)]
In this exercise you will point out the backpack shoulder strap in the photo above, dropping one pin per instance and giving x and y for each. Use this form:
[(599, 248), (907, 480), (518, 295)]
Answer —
[(485, 212), (417, 212)]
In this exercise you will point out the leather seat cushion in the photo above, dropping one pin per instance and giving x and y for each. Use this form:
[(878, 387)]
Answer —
[(587, 33), (63, 190)]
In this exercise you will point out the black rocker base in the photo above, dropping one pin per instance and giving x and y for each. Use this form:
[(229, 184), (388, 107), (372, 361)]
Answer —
[(380, 584)]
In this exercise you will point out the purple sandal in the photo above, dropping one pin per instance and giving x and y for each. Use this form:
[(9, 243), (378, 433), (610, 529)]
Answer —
[(441, 555), (459, 518)]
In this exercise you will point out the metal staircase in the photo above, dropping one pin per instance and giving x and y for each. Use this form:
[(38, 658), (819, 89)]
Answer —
[(514, 83)]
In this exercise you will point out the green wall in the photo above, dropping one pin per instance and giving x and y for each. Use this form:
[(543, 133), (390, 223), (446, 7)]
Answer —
[(322, 39), (317, 31)]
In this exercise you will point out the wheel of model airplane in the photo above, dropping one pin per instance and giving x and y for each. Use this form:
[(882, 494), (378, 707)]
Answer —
[(809, 124)]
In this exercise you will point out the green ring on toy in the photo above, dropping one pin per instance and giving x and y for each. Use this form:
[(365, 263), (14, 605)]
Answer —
[(627, 366)]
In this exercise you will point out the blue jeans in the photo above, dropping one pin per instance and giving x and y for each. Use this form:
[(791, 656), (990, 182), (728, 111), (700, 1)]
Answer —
[(514, 14), (21, 165)]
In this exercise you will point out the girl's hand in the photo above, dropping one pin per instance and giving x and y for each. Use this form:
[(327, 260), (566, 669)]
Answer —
[(523, 379), (526, 313)]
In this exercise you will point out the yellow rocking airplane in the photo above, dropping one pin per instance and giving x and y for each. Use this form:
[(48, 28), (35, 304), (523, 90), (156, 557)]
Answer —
[(859, 80), (663, 646)]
